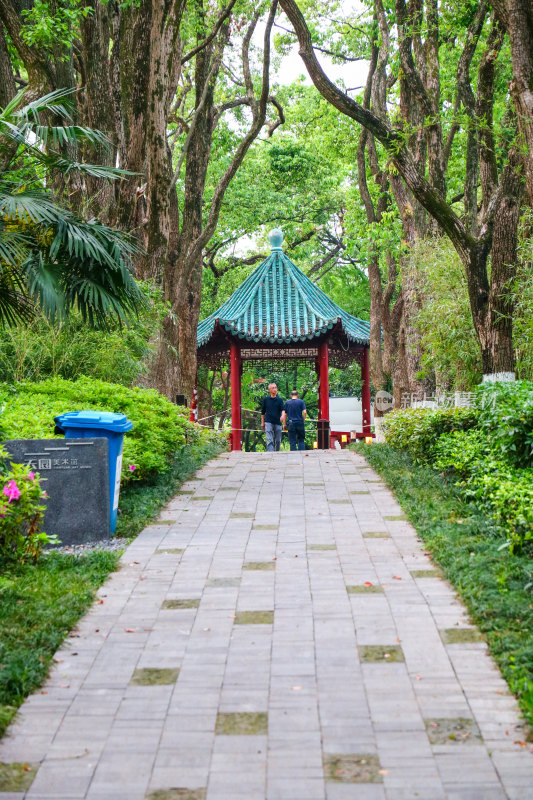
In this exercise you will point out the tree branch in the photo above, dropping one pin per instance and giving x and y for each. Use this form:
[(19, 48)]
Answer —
[(393, 142), (222, 18)]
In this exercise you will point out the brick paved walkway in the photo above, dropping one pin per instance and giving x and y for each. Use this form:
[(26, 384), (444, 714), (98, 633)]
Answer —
[(279, 635)]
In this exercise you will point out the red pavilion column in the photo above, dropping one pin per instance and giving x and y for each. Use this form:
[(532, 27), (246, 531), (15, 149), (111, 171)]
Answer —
[(323, 361), (235, 376), (365, 375)]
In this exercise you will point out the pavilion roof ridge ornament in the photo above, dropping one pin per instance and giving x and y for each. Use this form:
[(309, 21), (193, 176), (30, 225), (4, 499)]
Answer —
[(277, 303)]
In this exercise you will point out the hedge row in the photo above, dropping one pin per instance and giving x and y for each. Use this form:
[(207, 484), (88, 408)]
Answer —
[(160, 428), (487, 450)]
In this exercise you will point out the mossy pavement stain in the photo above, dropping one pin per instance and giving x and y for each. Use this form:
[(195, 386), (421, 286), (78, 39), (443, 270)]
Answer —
[(178, 603), (381, 654), (370, 588), (154, 676), (321, 546), (242, 723), (17, 776), (180, 793), (426, 573), (222, 583), (459, 730), (352, 768), (254, 618), (461, 635)]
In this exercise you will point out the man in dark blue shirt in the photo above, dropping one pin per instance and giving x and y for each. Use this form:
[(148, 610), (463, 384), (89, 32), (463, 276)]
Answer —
[(271, 409), (294, 412)]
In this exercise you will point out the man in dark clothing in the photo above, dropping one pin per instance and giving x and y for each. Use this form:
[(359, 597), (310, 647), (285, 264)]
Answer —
[(294, 412), (271, 409)]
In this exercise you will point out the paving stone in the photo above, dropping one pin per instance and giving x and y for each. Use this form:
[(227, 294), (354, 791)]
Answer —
[(222, 583), (259, 565)]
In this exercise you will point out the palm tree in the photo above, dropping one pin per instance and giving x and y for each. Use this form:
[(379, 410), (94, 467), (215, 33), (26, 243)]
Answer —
[(51, 258)]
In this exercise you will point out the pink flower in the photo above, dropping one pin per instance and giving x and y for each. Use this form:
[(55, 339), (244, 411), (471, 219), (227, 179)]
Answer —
[(132, 467), (31, 476), (12, 490)]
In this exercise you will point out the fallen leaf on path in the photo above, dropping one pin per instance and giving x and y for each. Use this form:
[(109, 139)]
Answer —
[(130, 630), (368, 583)]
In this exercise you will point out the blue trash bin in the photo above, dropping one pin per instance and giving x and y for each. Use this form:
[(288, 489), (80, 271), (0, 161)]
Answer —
[(95, 424)]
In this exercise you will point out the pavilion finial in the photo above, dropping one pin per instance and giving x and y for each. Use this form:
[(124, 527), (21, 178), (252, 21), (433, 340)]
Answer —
[(275, 237)]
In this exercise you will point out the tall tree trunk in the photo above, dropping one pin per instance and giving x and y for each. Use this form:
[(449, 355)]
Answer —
[(8, 87), (95, 38), (517, 18)]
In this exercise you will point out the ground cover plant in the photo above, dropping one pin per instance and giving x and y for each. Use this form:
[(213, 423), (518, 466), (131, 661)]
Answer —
[(39, 605), (496, 584)]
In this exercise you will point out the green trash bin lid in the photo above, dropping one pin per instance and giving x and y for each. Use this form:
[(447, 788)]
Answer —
[(100, 420)]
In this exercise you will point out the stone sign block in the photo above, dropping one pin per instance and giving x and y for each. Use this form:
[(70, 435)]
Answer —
[(75, 474)]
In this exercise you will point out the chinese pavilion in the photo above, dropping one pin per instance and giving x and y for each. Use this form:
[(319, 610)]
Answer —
[(278, 313)]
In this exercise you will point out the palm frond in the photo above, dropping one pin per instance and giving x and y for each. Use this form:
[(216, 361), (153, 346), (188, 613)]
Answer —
[(46, 103), (65, 166), (13, 247), (28, 205), (15, 305), (59, 135), (43, 279)]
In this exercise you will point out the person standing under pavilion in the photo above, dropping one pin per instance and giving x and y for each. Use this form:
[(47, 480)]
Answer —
[(295, 412), (271, 409)]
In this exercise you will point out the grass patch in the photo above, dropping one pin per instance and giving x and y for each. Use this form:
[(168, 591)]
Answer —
[(496, 586), (39, 605), (141, 502)]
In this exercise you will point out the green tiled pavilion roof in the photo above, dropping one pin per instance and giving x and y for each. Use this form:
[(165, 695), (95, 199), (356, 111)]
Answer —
[(278, 303)]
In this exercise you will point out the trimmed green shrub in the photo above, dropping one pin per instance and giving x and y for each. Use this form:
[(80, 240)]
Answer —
[(160, 428), (505, 413), (457, 451), (485, 449), (417, 429)]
